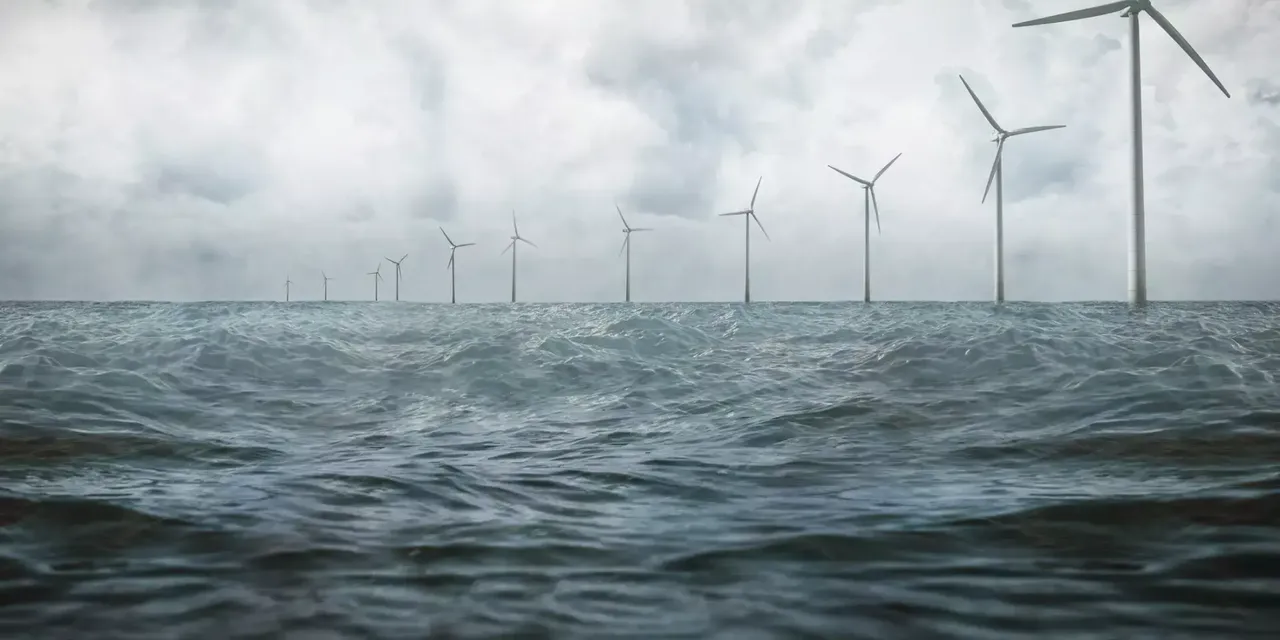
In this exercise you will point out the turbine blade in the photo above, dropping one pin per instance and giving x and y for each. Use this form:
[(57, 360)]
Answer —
[(766, 233), (624, 220), (641, 229), (624, 244), (986, 114), (504, 251), (447, 238), (850, 176), (402, 259), (886, 168), (528, 243), (513, 222), (994, 166), (1186, 46), (875, 206), (1018, 132), (450, 265), (1079, 14), (737, 213), (466, 244), (756, 193)]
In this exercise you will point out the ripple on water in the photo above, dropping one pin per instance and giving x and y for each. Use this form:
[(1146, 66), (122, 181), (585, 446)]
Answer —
[(643, 471)]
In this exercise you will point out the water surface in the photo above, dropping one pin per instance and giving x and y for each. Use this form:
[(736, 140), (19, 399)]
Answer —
[(639, 471)]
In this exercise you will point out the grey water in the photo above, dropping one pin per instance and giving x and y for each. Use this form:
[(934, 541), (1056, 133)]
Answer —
[(357, 470)]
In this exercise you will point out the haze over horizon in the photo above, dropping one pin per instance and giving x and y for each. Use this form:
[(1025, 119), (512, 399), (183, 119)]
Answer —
[(192, 150)]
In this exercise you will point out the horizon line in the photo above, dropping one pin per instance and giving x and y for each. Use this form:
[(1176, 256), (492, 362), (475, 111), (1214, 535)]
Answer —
[(636, 302)]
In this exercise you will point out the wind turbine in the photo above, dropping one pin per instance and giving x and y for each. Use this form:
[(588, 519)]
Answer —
[(748, 215), (515, 237), (997, 174), (627, 230), (377, 275), (326, 284), (1138, 225), (287, 282), (869, 200), (397, 264), (453, 271)]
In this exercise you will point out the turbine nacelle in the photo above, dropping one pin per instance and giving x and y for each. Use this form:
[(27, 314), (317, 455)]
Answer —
[(750, 211), (1130, 9), (869, 186), (1001, 134), (515, 235)]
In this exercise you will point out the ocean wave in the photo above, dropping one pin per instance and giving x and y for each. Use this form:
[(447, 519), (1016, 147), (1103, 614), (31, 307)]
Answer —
[(669, 470)]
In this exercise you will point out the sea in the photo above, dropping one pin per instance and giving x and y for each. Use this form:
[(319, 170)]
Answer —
[(647, 471)]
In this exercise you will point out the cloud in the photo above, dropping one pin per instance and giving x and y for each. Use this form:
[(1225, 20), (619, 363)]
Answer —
[(186, 149)]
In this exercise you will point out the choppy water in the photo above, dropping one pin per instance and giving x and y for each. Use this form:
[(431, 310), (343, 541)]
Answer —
[(665, 471)]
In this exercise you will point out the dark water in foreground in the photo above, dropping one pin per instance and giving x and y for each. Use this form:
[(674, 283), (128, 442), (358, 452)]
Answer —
[(669, 471)]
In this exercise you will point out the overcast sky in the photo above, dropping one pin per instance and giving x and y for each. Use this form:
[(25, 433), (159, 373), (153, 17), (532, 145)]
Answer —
[(201, 149)]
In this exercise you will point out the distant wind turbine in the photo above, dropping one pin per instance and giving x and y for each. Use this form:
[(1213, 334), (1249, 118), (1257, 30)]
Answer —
[(997, 174), (748, 215), (287, 282), (326, 284), (397, 264), (377, 275), (627, 230), (869, 200), (515, 237), (1132, 9), (452, 266)]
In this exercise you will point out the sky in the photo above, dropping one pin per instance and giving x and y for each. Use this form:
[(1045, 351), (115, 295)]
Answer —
[(208, 150)]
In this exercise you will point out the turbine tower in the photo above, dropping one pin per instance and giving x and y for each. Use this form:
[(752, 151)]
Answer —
[(627, 230), (515, 237), (377, 275), (997, 174), (869, 201), (453, 269), (1138, 224), (397, 264), (287, 282), (326, 285), (748, 215)]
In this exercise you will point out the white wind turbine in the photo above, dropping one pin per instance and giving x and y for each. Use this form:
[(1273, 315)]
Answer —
[(748, 215), (1132, 9), (869, 201), (997, 174), (515, 237), (453, 269), (287, 282), (627, 230), (377, 275), (326, 284), (397, 264)]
